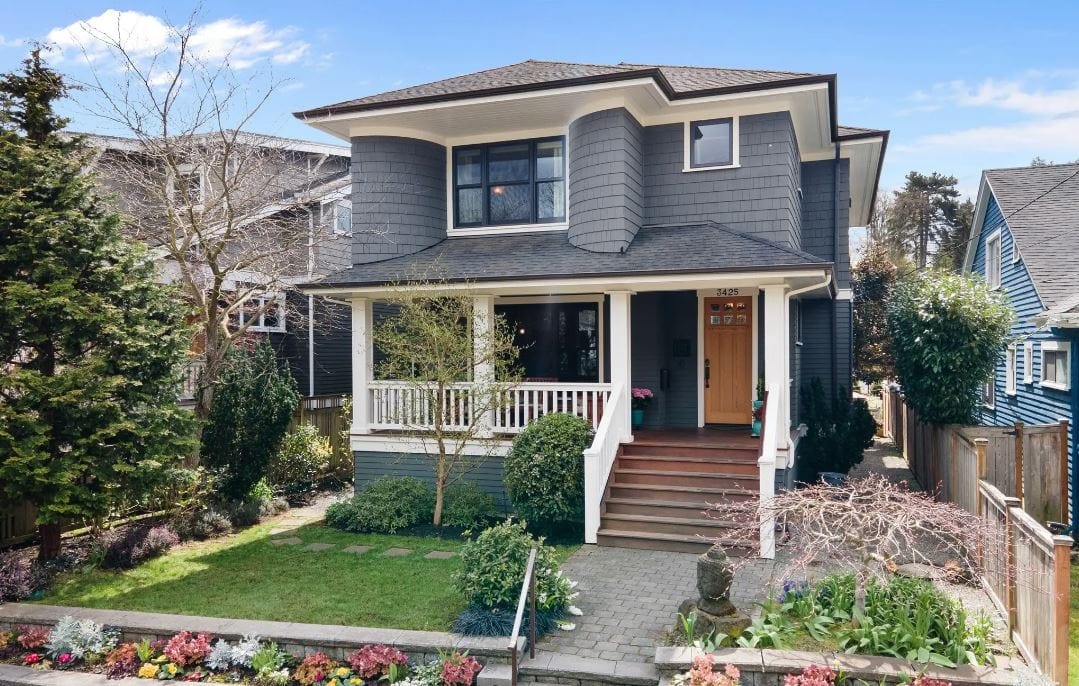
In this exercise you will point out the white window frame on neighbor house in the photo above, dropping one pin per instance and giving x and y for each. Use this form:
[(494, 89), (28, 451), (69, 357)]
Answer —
[(989, 392), (337, 209), (1057, 347), (259, 301), (993, 256), (1016, 256), (183, 171), (1028, 362), (1009, 370), (687, 147)]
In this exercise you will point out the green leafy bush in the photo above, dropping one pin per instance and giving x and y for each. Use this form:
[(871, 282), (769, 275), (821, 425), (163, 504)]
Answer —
[(837, 433), (253, 405), (468, 506), (384, 506), (304, 456), (493, 567), (948, 332), (545, 469)]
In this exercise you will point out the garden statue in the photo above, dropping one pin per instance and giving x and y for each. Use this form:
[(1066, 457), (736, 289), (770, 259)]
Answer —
[(714, 609)]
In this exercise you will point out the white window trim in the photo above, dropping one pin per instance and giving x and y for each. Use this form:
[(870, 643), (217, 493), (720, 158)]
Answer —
[(1009, 370), (183, 170), (1057, 346), (687, 153), (1016, 255), (1028, 362), (989, 245), (333, 205), (991, 385), (241, 315)]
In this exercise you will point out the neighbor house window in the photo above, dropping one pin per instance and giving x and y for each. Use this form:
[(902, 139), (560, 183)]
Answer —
[(522, 182), (342, 218), (1056, 364), (265, 312), (1028, 362), (1009, 370), (188, 185), (992, 260), (989, 392), (711, 143)]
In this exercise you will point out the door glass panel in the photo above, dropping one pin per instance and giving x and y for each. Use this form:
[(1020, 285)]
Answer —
[(508, 163), (510, 204)]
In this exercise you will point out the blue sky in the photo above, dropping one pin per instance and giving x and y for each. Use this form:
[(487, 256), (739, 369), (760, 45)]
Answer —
[(961, 85)]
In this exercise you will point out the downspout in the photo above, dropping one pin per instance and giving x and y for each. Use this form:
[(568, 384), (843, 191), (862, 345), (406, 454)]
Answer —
[(310, 302), (1073, 455), (835, 262)]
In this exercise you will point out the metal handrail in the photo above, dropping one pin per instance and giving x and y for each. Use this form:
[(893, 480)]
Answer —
[(528, 592)]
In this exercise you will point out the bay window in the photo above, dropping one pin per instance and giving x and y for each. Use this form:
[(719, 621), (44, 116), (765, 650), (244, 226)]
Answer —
[(505, 184)]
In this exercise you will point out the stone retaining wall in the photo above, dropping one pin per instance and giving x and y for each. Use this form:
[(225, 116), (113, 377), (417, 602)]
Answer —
[(296, 639), (768, 667)]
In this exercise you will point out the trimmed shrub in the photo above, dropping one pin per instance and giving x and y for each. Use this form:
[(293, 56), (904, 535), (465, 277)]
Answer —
[(202, 525), (304, 457), (14, 577), (468, 507), (545, 470), (837, 433), (493, 566), (132, 545), (475, 620), (384, 506)]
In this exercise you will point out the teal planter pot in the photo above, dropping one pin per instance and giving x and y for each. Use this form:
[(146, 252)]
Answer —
[(638, 418), (755, 430)]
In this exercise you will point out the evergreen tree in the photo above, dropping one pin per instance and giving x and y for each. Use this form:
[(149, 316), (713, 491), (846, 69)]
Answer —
[(91, 345), (872, 280)]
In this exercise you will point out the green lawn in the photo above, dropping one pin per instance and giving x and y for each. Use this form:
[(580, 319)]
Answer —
[(1073, 630), (245, 576)]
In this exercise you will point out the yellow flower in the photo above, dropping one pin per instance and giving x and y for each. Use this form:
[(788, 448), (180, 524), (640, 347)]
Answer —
[(173, 668), (356, 680), (148, 671), (341, 671)]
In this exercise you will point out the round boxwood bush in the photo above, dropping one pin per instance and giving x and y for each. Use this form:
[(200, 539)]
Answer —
[(545, 469), (384, 506), (493, 568), (468, 507), (304, 456)]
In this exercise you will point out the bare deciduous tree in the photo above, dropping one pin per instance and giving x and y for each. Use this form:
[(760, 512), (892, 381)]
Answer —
[(866, 526), (223, 210)]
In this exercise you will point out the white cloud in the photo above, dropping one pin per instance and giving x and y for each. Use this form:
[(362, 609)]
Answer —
[(1040, 136), (244, 44), (1041, 94), (12, 42)]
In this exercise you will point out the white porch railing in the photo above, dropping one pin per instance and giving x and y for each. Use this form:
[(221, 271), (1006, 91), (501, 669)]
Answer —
[(600, 456), (400, 405), (766, 464)]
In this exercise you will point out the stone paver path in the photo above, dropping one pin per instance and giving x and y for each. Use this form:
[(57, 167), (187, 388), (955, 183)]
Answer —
[(357, 549), (319, 546), (291, 540), (397, 552), (439, 555), (630, 599)]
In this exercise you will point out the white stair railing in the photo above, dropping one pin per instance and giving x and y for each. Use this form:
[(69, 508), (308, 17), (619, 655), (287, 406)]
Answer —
[(766, 464), (600, 456)]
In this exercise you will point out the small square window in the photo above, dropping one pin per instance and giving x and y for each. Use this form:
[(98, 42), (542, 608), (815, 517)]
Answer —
[(1056, 365), (711, 143)]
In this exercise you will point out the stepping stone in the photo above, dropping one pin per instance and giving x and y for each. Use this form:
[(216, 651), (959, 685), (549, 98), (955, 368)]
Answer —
[(397, 552), (357, 549), (318, 546), (292, 540), (280, 530), (439, 555)]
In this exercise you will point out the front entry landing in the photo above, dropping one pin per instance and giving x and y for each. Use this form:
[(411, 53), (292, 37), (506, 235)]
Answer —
[(728, 360)]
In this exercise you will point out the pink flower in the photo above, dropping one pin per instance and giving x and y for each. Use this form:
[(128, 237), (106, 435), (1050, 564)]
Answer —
[(31, 659)]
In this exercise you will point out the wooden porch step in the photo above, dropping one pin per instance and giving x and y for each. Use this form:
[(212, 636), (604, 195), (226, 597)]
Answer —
[(687, 449), (726, 465), (661, 477), (656, 508), (690, 494), (669, 542), (709, 528)]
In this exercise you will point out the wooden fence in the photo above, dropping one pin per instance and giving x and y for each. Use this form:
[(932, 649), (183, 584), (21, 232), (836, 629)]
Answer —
[(1024, 461), (327, 414), (1014, 478)]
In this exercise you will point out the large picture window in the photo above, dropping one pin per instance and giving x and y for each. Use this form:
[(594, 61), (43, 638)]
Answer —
[(557, 341), (502, 184)]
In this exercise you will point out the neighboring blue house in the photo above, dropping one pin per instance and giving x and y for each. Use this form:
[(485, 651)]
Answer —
[(1026, 223)]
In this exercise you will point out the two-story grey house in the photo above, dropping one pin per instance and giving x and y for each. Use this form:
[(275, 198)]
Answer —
[(681, 229)]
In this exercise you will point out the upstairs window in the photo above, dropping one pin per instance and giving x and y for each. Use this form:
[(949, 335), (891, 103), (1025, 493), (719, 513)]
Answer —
[(188, 186), (342, 218), (503, 184), (711, 143), (989, 393), (264, 312), (1056, 364), (992, 260), (1028, 362), (1009, 370)]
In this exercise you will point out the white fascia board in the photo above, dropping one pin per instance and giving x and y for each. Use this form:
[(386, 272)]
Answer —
[(984, 191)]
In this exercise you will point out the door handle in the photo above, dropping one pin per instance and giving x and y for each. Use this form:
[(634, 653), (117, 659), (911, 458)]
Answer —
[(707, 371)]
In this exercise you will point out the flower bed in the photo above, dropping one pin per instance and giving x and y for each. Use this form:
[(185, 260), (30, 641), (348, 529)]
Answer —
[(85, 645)]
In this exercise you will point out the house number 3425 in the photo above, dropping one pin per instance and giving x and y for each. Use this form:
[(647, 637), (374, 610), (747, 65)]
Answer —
[(727, 292)]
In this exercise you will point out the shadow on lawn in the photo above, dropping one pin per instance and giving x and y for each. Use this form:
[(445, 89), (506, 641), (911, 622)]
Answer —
[(246, 576)]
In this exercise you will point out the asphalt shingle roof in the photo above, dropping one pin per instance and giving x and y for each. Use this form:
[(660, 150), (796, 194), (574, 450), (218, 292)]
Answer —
[(1041, 207), (538, 74), (703, 247)]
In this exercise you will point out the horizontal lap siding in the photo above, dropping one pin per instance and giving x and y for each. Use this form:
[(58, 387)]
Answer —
[(373, 465), (1032, 403), (821, 234)]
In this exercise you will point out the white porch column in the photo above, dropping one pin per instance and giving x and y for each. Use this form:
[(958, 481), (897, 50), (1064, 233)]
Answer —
[(621, 328), (483, 370), (363, 364), (777, 356)]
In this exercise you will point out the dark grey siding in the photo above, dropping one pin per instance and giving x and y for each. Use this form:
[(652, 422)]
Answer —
[(398, 196), (333, 348), (821, 234), (826, 344), (372, 465), (758, 197), (605, 184), (659, 319)]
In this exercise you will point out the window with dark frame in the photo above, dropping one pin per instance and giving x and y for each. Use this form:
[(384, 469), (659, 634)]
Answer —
[(711, 143), (503, 184)]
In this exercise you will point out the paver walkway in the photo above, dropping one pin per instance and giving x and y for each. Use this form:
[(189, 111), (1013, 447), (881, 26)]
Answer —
[(630, 599)]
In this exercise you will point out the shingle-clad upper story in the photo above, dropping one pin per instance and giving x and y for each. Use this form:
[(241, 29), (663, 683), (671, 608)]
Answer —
[(595, 153)]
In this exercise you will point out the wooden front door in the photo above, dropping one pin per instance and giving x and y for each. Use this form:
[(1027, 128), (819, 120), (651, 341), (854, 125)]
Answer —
[(728, 360)]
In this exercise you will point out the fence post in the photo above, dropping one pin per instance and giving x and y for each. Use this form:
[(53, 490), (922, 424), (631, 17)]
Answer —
[(1019, 490), (1061, 561), (1064, 472), (980, 446)]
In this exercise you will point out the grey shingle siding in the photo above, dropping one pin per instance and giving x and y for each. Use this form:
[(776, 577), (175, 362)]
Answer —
[(820, 234), (489, 475), (658, 320), (605, 180), (398, 196), (757, 197), (333, 348), (821, 348)]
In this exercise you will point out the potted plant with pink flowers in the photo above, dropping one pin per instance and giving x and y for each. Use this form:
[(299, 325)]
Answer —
[(641, 398)]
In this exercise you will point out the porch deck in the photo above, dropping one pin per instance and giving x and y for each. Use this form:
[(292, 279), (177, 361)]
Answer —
[(706, 437)]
